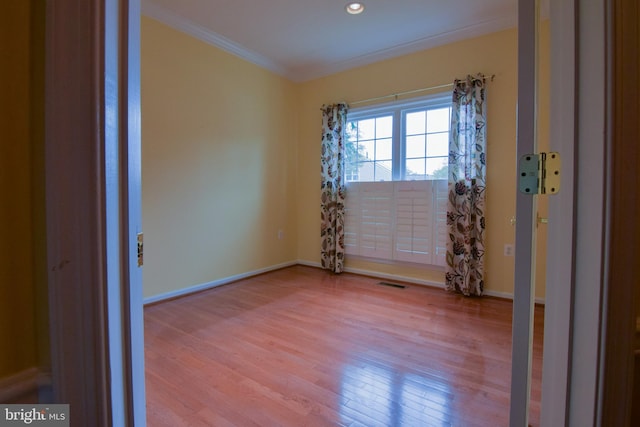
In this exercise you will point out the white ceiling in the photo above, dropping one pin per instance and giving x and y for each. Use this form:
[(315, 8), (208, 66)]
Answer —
[(305, 39)]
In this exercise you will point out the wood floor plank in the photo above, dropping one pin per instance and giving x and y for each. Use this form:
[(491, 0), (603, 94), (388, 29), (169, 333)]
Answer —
[(301, 346)]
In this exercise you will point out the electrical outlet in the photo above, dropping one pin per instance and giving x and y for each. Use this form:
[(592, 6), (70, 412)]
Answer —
[(509, 249)]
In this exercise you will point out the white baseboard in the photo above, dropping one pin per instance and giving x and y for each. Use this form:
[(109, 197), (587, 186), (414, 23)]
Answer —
[(19, 384), (413, 280), (309, 263), (227, 280), (379, 275), (213, 284), (507, 295)]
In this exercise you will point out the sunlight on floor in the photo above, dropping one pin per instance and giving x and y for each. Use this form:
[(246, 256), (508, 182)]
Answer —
[(389, 398)]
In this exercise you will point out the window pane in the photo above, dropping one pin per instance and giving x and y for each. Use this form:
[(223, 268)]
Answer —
[(437, 167), (438, 144), (384, 127), (383, 149), (365, 171), (423, 142), (415, 146), (415, 169), (352, 131), (383, 171), (367, 150), (415, 123), (438, 120), (366, 129), (352, 171)]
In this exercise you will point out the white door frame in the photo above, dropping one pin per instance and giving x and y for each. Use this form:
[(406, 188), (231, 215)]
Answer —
[(524, 278), (575, 253), (561, 244), (132, 188), (92, 170), (590, 212)]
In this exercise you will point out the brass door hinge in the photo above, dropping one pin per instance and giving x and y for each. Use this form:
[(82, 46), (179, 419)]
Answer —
[(539, 173)]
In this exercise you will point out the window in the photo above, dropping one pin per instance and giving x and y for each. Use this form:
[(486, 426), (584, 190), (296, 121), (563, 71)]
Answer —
[(396, 175), (399, 142)]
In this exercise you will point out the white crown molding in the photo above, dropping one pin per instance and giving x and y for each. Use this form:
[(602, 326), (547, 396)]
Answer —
[(173, 20), (476, 30)]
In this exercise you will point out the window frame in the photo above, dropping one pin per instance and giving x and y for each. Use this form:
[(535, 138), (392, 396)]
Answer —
[(398, 110), (358, 242)]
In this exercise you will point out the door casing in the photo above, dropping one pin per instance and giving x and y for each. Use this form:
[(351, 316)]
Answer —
[(76, 214)]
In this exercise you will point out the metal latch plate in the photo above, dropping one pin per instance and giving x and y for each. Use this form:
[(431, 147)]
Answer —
[(140, 249)]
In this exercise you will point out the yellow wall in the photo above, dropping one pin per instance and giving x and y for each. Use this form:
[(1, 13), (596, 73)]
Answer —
[(17, 282), (492, 54), (231, 154), (218, 163)]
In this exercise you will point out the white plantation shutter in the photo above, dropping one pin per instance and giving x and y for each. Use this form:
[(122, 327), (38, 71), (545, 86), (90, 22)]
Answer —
[(414, 231), (369, 219), (440, 197), (400, 220), (352, 219)]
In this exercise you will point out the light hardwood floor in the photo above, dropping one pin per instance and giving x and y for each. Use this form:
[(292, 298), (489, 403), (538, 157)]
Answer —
[(304, 347)]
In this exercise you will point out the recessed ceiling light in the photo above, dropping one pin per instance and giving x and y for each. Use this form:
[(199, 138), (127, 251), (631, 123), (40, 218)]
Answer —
[(354, 8)]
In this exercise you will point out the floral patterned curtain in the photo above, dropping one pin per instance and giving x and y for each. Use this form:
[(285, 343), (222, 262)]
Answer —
[(332, 186), (467, 180)]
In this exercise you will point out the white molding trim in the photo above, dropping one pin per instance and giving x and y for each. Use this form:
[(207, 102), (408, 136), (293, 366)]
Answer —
[(180, 23), (413, 280), (371, 273), (19, 384), (507, 295), (308, 263), (215, 283)]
